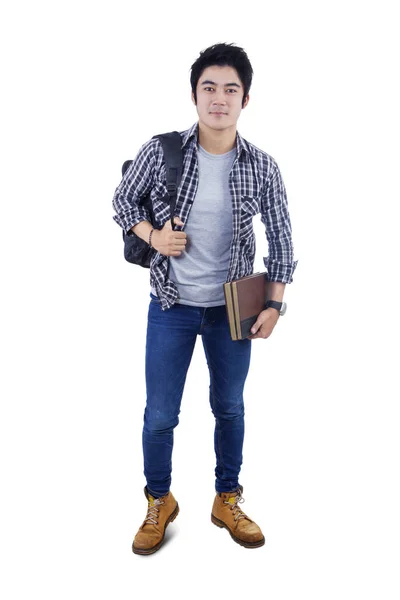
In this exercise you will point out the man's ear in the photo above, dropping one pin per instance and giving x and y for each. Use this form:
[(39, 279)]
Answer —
[(193, 100), (246, 101)]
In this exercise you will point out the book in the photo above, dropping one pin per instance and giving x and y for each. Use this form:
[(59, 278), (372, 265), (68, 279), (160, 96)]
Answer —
[(245, 298)]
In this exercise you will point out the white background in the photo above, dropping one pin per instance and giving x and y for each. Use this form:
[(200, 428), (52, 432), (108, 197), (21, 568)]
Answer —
[(85, 85)]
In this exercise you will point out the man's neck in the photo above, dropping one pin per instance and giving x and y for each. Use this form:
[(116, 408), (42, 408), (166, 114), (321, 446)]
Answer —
[(217, 142)]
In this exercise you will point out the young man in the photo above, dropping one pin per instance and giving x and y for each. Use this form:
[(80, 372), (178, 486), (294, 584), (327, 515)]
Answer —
[(225, 182)]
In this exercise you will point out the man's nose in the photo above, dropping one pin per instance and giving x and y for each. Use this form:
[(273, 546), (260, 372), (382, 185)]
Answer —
[(219, 97)]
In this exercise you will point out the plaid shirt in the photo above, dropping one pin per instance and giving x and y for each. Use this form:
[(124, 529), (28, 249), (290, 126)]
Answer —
[(255, 185)]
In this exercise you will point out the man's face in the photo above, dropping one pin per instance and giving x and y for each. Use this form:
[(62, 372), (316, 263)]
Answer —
[(219, 97)]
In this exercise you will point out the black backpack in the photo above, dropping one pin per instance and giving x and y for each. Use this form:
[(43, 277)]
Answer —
[(136, 250)]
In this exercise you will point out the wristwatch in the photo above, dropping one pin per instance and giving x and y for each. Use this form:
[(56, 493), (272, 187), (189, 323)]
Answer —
[(280, 306)]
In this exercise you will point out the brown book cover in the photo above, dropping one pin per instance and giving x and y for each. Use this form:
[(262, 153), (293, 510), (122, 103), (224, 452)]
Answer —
[(248, 298), (229, 310)]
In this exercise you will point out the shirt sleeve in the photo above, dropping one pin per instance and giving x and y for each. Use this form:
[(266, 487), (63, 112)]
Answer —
[(134, 187), (279, 263)]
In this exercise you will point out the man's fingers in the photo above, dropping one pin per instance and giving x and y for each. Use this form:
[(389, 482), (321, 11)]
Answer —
[(255, 327), (180, 242), (177, 221), (174, 242), (254, 336)]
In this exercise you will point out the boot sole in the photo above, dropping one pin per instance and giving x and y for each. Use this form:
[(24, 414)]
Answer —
[(145, 551), (221, 524)]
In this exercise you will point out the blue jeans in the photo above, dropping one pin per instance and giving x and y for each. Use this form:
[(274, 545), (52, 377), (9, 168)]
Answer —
[(171, 337)]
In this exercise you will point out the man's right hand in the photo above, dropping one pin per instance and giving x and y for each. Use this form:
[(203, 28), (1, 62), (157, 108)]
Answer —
[(167, 241)]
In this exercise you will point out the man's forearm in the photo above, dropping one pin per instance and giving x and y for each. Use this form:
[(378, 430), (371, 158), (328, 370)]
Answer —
[(142, 230), (275, 290)]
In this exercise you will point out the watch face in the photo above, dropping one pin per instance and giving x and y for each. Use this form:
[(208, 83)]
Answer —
[(283, 309)]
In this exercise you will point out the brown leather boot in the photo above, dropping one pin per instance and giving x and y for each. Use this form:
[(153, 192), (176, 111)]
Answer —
[(160, 512), (226, 513)]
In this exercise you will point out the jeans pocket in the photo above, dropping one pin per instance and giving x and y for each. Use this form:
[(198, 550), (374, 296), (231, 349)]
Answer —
[(154, 298)]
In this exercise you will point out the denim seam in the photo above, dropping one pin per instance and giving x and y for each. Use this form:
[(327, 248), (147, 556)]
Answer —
[(219, 433), (221, 463)]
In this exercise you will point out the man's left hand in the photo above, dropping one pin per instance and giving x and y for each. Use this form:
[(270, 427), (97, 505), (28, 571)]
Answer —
[(264, 325)]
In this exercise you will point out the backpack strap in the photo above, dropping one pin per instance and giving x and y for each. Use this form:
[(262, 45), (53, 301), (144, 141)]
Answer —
[(172, 148), (173, 156), (126, 165)]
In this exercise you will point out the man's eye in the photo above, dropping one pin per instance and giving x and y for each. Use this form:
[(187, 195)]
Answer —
[(232, 90), (208, 88)]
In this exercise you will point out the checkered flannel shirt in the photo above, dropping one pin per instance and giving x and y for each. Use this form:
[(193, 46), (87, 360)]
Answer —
[(256, 186)]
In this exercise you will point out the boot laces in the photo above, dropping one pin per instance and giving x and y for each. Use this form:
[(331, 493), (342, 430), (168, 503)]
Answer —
[(152, 512), (237, 511)]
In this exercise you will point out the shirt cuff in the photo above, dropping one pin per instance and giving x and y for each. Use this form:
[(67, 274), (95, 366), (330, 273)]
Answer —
[(278, 271), (129, 221)]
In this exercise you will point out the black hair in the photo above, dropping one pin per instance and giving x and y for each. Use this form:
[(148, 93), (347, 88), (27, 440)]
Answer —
[(223, 55)]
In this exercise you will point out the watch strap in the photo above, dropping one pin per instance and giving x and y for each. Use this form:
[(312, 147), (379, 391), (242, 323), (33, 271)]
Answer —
[(274, 304)]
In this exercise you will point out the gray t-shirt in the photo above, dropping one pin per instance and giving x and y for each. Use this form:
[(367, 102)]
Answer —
[(200, 272)]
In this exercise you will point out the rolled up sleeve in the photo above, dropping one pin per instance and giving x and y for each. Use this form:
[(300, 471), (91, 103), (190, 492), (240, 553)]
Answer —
[(134, 187), (279, 263)]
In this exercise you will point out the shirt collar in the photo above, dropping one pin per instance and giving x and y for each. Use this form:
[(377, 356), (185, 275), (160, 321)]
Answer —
[(192, 135)]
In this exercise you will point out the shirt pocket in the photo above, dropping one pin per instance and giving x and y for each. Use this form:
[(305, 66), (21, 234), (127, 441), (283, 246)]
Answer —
[(249, 207)]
